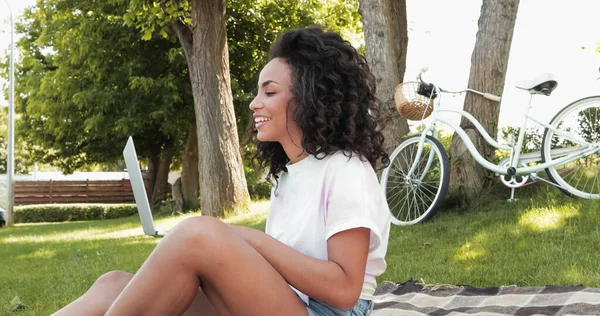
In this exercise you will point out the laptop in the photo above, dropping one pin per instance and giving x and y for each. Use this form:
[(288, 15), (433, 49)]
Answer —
[(139, 191)]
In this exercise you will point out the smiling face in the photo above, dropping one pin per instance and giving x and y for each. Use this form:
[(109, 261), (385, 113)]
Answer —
[(273, 107)]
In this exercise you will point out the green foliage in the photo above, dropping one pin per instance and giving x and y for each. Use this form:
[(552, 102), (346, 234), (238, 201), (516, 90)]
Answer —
[(156, 17), (532, 140), (86, 81), (446, 141), (72, 212), (587, 121), (257, 186), (253, 25), (21, 161), (3, 194)]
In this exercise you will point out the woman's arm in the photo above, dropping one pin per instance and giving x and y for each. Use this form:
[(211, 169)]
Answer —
[(337, 281)]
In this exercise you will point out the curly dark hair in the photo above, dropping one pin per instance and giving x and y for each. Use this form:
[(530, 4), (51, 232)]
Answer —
[(334, 90)]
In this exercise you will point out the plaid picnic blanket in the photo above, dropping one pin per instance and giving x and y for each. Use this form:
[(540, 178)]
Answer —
[(412, 298)]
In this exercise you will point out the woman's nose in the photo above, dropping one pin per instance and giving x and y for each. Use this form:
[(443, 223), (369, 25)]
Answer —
[(254, 104)]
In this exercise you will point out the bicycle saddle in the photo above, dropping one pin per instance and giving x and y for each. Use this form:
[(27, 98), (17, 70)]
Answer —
[(542, 84)]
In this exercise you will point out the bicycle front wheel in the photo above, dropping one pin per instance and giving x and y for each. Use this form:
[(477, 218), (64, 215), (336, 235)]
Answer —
[(415, 198), (579, 120)]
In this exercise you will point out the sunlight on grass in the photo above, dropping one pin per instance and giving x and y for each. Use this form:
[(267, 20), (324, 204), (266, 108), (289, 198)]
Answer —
[(255, 216), (42, 253), (574, 275), (474, 249), (50, 264), (167, 223), (100, 233), (544, 219)]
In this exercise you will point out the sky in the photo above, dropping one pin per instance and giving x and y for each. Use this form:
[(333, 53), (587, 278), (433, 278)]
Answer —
[(554, 36)]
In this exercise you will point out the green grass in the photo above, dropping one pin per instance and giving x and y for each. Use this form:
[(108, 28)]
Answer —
[(48, 265), (545, 239)]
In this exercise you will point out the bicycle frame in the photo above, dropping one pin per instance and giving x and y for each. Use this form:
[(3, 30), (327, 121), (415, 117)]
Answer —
[(515, 150)]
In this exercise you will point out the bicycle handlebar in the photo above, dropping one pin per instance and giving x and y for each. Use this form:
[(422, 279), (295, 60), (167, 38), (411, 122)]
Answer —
[(486, 95), (492, 97)]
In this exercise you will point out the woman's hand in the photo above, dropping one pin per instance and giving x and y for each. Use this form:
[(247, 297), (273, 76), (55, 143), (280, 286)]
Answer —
[(251, 236)]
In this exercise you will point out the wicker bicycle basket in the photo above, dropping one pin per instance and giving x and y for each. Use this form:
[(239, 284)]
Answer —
[(410, 104)]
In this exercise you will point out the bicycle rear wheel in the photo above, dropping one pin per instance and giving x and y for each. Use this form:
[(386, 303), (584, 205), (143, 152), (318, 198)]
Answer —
[(579, 120), (415, 198)]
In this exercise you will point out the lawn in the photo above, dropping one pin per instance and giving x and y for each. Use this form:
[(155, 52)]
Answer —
[(547, 239)]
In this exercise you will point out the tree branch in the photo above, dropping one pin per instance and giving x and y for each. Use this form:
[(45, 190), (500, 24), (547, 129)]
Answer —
[(186, 38)]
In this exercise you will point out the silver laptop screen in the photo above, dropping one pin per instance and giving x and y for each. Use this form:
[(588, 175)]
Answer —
[(139, 191)]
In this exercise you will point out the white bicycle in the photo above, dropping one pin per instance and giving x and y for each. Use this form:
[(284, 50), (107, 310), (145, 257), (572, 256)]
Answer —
[(416, 181)]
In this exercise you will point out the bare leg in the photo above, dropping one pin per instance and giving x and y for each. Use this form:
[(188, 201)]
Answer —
[(99, 297), (107, 288), (204, 250), (216, 300)]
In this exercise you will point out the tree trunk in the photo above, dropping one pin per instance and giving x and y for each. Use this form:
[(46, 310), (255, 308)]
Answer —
[(223, 183), (488, 71), (189, 171), (151, 172), (161, 186), (386, 37), (177, 197)]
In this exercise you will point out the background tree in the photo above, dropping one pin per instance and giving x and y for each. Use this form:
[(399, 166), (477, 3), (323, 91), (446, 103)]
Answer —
[(488, 71), (21, 162), (200, 28), (190, 183), (589, 124), (251, 27), (86, 81), (386, 40)]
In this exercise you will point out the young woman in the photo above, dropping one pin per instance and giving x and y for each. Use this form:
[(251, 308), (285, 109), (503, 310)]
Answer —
[(327, 229)]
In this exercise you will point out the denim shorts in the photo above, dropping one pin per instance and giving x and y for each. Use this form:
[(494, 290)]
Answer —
[(316, 308)]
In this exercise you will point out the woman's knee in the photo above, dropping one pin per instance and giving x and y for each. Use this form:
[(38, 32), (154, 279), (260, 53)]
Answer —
[(113, 279), (200, 230)]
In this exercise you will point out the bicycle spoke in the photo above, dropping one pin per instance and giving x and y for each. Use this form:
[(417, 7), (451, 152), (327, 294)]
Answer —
[(397, 195), (423, 196), (400, 206), (594, 182), (432, 193), (415, 208), (579, 120), (409, 205), (413, 197), (396, 200)]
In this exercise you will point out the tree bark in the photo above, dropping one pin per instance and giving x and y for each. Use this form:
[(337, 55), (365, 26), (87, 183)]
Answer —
[(189, 172), (488, 72), (151, 172), (161, 186), (223, 183), (386, 38), (177, 197)]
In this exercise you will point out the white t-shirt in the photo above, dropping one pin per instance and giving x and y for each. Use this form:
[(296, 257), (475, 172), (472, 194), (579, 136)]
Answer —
[(317, 199)]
